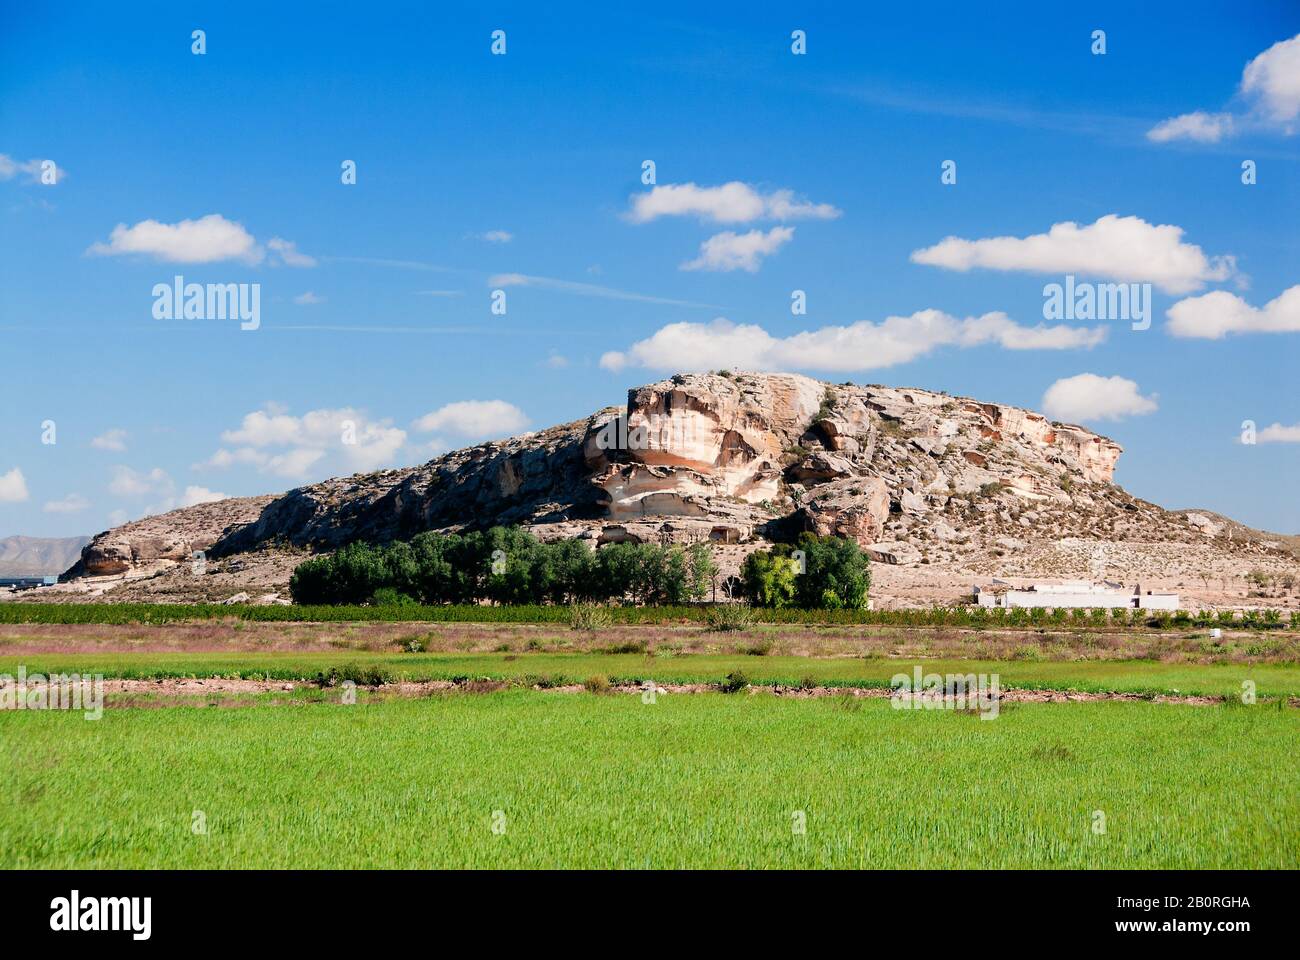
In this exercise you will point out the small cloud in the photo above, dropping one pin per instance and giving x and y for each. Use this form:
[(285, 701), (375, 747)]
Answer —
[(195, 495), (1276, 433), (126, 482), (733, 202), (494, 236), (1214, 315), (288, 253), (474, 419), (858, 346), (1199, 126), (72, 503), (556, 361), (731, 251), (274, 441), (10, 168), (209, 239), (1115, 247), (1089, 397), (13, 486), (114, 440), (308, 299)]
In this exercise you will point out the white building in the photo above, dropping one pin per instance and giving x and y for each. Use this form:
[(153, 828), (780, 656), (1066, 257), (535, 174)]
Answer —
[(1061, 595)]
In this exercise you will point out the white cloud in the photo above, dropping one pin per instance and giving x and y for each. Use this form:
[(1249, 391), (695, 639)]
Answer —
[(114, 439), (195, 495), (1214, 315), (733, 202), (1270, 89), (360, 442), (476, 419), (859, 346), (1276, 433), (308, 299), (495, 236), (557, 361), (10, 168), (13, 486), (72, 503), (289, 253), (1090, 397), (206, 240), (1118, 248), (126, 482), (1273, 79), (730, 251), (1199, 126)]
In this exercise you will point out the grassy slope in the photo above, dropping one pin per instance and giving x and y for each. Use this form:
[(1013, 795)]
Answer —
[(1131, 676), (704, 780)]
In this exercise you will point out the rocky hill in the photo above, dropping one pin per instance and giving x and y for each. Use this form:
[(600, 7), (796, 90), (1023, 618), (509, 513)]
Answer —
[(941, 490)]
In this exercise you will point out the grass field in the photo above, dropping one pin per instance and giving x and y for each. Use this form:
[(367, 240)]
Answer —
[(1142, 677), (420, 778), (691, 781)]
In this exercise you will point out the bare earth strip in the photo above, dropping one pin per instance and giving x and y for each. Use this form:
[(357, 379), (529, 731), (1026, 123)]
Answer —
[(123, 693)]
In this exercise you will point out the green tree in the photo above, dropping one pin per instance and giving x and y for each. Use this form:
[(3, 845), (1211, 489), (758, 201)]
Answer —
[(836, 573), (769, 578)]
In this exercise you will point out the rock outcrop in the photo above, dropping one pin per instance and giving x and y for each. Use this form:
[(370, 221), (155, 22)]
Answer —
[(165, 539), (915, 476)]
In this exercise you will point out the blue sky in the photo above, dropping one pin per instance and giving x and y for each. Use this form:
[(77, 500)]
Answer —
[(523, 173)]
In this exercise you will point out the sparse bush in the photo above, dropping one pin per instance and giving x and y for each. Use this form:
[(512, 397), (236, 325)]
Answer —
[(411, 644), (599, 683), (588, 616), (734, 682), (730, 616), (361, 676), (629, 646)]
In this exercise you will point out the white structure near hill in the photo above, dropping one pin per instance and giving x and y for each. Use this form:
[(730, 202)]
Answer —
[(1080, 594)]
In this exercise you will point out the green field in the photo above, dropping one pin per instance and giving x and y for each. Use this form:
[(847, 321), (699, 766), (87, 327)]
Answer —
[(299, 779), (706, 780), (1121, 676)]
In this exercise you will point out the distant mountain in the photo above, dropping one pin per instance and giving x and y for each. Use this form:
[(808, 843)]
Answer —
[(39, 556)]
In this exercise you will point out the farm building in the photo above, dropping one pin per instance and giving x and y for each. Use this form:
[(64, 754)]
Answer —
[(1089, 595)]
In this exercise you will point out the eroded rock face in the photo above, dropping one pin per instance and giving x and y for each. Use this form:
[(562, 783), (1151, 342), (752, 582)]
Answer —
[(856, 508), (695, 438)]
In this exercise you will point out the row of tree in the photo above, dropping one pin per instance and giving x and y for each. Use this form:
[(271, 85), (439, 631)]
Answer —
[(508, 565), (504, 565)]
